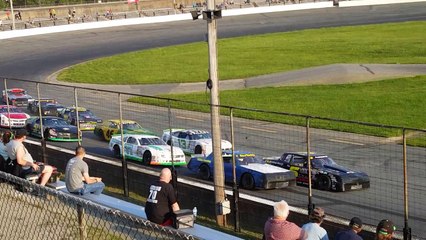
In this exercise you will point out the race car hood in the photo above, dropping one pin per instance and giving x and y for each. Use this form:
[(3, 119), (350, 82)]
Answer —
[(208, 141), (264, 168), (166, 149), (88, 118), (65, 128), (337, 169), (16, 115)]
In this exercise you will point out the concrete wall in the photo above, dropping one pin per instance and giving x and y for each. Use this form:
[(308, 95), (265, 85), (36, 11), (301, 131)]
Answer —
[(252, 214)]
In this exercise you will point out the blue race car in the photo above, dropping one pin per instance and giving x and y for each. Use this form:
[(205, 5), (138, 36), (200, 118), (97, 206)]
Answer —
[(251, 171), (326, 173)]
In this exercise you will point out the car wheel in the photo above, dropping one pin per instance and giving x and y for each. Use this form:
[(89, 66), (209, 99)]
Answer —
[(147, 158), (247, 181), (198, 150), (46, 134), (204, 172), (117, 153), (169, 142), (324, 182)]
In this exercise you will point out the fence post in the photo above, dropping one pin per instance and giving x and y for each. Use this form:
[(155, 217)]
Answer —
[(311, 206), (174, 172), (235, 191), (8, 104), (81, 222), (77, 120), (43, 139), (123, 154), (407, 229)]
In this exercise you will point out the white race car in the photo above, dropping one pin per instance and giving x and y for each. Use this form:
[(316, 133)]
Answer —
[(193, 141), (13, 117), (148, 149)]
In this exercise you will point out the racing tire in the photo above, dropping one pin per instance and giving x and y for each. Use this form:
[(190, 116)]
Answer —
[(204, 172), (198, 150), (324, 182), (247, 181), (146, 159), (169, 143), (28, 128), (117, 153)]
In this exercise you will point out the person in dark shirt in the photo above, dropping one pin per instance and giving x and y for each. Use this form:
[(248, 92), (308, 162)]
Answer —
[(161, 201), (355, 226), (385, 230)]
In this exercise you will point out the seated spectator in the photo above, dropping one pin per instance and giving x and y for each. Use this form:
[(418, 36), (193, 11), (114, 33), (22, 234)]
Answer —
[(17, 152), (385, 229), (77, 179), (313, 228), (279, 228), (5, 138), (161, 201), (355, 227)]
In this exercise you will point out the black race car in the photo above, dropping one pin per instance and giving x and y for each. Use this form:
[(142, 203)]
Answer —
[(326, 173), (54, 129)]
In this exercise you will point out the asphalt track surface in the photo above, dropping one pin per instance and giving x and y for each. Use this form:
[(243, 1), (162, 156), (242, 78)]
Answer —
[(37, 57)]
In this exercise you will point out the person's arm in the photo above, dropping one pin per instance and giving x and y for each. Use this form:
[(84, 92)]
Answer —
[(20, 152), (90, 180), (175, 207)]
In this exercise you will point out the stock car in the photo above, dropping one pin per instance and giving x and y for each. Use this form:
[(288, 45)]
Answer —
[(106, 129), (88, 120), (148, 149), (17, 97), (33, 107), (51, 109), (326, 173), (193, 141), (13, 117), (251, 172), (54, 129)]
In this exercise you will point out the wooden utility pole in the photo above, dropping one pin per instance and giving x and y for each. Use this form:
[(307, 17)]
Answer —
[(213, 84)]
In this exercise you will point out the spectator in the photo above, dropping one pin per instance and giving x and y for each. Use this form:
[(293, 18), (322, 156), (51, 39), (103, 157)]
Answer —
[(77, 179), (161, 202), (73, 12), (355, 227), (279, 228), (3, 152), (384, 230), (313, 228), (17, 152)]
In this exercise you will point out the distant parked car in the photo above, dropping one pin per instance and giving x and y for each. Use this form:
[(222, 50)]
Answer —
[(54, 129), (326, 173), (193, 141), (148, 149), (13, 117), (108, 128), (251, 171), (17, 97)]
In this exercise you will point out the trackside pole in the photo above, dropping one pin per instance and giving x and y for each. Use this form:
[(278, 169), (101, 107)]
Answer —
[(311, 206), (174, 171), (407, 229), (123, 152), (43, 139), (79, 135), (235, 190), (7, 103)]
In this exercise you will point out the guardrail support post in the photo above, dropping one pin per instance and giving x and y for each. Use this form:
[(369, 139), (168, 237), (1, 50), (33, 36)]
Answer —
[(235, 191), (311, 206), (407, 229), (123, 153), (43, 139), (77, 119), (81, 222)]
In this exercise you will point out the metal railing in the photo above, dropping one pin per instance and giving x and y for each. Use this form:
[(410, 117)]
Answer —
[(395, 165)]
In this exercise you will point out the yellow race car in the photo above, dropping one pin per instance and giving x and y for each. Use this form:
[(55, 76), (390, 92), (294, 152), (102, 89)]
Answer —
[(109, 128)]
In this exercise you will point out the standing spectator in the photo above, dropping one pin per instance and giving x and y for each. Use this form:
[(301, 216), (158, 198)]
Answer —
[(50, 13), (17, 152), (161, 201), (355, 227), (77, 179), (313, 228), (384, 230), (8, 14), (73, 12), (278, 228)]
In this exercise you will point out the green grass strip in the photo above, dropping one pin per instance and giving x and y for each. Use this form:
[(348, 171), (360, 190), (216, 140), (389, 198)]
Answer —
[(257, 55)]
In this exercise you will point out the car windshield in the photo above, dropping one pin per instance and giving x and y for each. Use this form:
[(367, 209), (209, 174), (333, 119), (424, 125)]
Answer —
[(321, 161), (131, 126), (85, 114), (246, 159), (54, 121), (196, 136), (11, 109), (151, 141)]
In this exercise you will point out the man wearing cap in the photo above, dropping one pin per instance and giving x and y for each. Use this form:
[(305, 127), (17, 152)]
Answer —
[(17, 151), (313, 228), (355, 226), (385, 229)]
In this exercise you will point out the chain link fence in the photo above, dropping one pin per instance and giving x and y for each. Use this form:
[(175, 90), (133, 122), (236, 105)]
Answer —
[(30, 211), (395, 165)]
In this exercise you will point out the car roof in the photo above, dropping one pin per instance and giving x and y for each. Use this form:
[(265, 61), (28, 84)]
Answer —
[(304, 154), (194, 131), (13, 90), (139, 135), (117, 121), (229, 152)]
